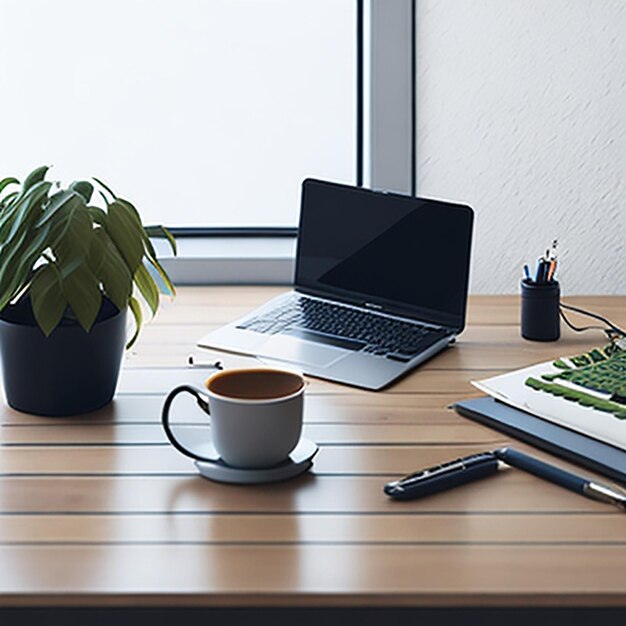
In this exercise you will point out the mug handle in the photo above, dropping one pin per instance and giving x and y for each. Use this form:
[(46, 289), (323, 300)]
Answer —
[(165, 417)]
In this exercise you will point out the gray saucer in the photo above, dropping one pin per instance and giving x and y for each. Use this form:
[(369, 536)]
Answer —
[(299, 461)]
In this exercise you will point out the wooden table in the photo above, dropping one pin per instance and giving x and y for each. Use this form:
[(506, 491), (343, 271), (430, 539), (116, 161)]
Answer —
[(101, 511)]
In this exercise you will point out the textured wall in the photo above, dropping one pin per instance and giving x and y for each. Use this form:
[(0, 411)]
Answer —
[(522, 114)]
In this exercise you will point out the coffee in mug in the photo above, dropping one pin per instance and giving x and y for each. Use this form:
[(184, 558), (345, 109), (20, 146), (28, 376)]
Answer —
[(255, 415)]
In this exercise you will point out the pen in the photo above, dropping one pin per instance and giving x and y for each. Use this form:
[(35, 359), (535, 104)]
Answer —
[(192, 362), (540, 274), (443, 477), (476, 466), (546, 267), (556, 475)]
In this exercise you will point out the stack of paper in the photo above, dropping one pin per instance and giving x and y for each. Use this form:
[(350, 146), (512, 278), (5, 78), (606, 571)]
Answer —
[(586, 392)]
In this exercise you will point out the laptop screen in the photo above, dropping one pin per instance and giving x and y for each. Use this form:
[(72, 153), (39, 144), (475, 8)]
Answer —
[(404, 255)]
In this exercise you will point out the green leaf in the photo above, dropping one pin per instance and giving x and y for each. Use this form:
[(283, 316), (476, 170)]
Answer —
[(106, 188), (31, 251), (147, 287), (97, 254), (47, 298), (84, 188), (72, 230), (8, 199), (81, 289), (135, 307), (162, 233), (151, 256), (157, 231), (16, 263), (5, 182), (36, 176), (98, 215), (171, 291), (65, 269), (114, 273), (19, 218), (150, 253), (28, 208), (106, 200), (56, 203), (132, 211), (6, 222), (123, 230), (148, 231)]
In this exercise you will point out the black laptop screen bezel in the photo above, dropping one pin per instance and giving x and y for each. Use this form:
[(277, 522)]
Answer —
[(453, 322)]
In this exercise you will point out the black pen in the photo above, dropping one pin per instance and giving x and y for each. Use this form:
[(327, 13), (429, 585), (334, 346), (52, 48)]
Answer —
[(568, 480), (477, 466), (193, 362), (443, 477)]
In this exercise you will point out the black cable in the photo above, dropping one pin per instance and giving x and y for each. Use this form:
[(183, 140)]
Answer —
[(610, 331), (579, 329)]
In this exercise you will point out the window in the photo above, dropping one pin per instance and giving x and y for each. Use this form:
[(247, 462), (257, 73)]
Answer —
[(210, 113), (205, 113)]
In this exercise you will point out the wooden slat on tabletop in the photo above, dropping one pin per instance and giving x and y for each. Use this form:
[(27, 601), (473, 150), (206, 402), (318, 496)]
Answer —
[(163, 338), (315, 575), (506, 309), (151, 381), (346, 459), (328, 408), (417, 528), (509, 491), (328, 434), (377, 459)]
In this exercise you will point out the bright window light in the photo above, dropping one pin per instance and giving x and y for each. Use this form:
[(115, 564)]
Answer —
[(203, 112)]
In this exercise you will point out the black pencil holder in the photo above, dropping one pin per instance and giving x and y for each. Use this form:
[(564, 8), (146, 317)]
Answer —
[(540, 310)]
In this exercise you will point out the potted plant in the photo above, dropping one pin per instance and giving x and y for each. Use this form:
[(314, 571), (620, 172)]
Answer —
[(69, 272)]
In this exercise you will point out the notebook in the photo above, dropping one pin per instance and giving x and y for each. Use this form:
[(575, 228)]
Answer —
[(575, 447)]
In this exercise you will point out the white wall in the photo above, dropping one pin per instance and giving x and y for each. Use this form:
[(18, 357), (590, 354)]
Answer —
[(522, 114)]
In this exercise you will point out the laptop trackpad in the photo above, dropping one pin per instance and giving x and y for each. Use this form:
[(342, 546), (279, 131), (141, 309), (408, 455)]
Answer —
[(294, 349)]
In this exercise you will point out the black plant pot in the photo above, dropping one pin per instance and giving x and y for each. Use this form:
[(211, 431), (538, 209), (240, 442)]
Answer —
[(67, 373)]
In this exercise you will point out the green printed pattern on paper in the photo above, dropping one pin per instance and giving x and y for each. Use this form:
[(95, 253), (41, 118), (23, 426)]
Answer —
[(600, 370), (580, 397)]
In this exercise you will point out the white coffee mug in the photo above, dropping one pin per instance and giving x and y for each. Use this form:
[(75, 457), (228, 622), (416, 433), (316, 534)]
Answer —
[(255, 415)]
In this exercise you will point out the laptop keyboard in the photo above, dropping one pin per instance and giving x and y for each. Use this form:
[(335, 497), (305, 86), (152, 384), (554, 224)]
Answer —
[(370, 332)]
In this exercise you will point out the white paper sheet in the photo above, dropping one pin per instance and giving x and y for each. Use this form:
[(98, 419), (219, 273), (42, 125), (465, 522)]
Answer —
[(511, 389)]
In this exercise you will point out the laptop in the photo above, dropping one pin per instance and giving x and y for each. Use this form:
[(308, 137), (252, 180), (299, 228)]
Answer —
[(380, 287)]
